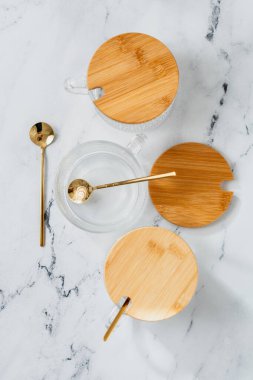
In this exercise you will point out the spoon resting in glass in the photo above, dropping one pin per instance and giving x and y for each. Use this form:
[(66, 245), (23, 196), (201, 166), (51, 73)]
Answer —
[(80, 190)]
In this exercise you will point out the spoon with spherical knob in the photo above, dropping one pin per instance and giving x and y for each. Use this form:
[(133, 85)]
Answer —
[(79, 190), (42, 135)]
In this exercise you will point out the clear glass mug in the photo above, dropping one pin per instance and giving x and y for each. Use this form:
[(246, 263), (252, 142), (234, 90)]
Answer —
[(78, 86), (101, 162), (140, 76)]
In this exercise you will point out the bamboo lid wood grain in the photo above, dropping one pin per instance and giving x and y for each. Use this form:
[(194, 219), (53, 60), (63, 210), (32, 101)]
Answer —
[(139, 77), (156, 269), (194, 198)]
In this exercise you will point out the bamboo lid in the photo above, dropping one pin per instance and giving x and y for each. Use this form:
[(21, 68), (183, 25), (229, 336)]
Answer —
[(194, 198), (138, 75), (156, 269)]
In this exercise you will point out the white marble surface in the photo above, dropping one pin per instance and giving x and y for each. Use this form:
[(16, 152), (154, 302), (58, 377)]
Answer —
[(53, 302)]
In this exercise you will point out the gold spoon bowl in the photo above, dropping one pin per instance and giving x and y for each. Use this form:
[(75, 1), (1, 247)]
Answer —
[(42, 134)]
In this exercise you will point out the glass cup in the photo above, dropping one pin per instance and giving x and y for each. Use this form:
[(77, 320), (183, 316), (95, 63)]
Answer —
[(138, 73), (101, 162)]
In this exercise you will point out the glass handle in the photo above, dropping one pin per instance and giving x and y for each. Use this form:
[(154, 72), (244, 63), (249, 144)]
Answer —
[(135, 145), (76, 86)]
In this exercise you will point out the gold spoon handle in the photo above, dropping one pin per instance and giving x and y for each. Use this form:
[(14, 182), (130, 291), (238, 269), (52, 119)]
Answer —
[(116, 319), (129, 181), (42, 197)]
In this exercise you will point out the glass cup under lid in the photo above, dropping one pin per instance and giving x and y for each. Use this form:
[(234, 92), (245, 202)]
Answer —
[(101, 162)]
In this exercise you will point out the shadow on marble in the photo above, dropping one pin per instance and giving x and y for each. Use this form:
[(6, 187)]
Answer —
[(228, 217), (214, 321)]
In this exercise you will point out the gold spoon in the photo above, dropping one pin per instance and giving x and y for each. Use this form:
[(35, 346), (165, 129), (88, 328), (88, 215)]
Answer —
[(116, 319), (80, 190), (42, 135)]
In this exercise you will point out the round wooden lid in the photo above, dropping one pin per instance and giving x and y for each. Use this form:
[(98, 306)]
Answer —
[(156, 269), (139, 77), (193, 198)]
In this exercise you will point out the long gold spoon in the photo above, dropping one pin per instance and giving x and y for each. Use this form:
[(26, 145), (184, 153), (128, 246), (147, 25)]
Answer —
[(80, 190), (42, 135)]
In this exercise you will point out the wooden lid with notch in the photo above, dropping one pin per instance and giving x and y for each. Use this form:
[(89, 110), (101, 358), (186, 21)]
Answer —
[(139, 77), (156, 269), (194, 198)]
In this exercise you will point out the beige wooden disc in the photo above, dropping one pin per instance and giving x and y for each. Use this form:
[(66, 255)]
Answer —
[(155, 268), (193, 198), (138, 74)]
